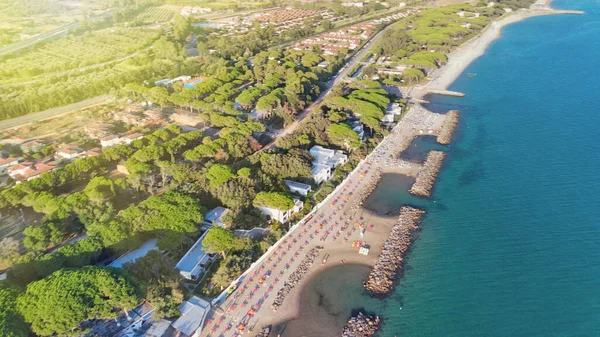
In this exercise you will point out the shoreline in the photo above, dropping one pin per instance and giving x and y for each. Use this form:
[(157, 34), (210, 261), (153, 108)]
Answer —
[(468, 52), (348, 203)]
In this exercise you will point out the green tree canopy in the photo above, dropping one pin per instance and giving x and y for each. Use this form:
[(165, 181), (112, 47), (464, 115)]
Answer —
[(219, 174), (219, 240), (343, 135), (11, 323), (277, 200), (63, 300)]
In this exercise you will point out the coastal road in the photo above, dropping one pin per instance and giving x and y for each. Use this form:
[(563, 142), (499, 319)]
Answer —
[(50, 113), (334, 225)]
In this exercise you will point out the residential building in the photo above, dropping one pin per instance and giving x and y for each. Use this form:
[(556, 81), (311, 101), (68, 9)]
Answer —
[(157, 328), (298, 188), (110, 140), (133, 255), (186, 118), (325, 156), (70, 152), (7, 162), (29, 170), (282, 215), (127, 139), (194, 262), (396, 109), (193, 315), (321, 173), (388, 118), (359, 128), (215, 217)]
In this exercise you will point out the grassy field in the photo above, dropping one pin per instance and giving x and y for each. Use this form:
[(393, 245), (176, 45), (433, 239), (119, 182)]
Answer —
[(157, 14)]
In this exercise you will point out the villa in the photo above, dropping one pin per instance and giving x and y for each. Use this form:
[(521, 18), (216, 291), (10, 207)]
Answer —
[(282, 215), (297, 188), (215, 217), (195, 261)]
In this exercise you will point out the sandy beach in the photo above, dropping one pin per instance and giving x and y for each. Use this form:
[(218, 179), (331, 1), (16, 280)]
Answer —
[(459, 59), (341, 219)]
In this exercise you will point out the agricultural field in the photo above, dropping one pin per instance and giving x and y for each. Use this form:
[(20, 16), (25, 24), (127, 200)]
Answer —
[(156, 14), (23, 19), (222, 4), (73, 52)]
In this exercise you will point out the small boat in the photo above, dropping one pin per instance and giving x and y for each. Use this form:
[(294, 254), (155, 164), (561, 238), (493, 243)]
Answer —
[(471, 75)]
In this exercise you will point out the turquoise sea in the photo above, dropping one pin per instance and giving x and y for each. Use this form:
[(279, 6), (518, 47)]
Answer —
[(511, 242)]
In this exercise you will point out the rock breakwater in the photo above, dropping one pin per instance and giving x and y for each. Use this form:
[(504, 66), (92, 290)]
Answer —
[(361, 325), (296, 277), (448, 128), (383, 275), (426, 177)]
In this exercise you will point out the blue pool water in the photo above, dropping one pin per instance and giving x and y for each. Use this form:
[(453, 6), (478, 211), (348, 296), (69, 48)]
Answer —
[(511, 246)]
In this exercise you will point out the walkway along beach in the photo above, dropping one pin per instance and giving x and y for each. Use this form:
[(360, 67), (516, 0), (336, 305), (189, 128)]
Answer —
[(340, 225)]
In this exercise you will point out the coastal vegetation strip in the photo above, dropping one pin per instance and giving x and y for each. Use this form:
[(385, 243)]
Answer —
[(445, 135), (361, 325), (381, 278), (426, 177), (296, 277)]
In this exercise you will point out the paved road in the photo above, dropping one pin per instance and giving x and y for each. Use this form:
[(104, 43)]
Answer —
[(55, 112)]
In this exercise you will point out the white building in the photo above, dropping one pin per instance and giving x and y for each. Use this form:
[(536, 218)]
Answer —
[(215, 217), (331, 158), (388, 118), (110, 140), (321, 173), (325, 161), (298, 188), (282, 215), (359, 128), (195, 261), (193, 315)]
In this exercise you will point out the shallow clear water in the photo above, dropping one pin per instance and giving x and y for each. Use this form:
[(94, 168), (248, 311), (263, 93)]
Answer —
[(511, 246)]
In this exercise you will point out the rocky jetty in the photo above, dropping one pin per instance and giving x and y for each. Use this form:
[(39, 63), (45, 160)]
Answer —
[(448, 128), (361, 325), (296, 277), (381, 278), (426, 177)]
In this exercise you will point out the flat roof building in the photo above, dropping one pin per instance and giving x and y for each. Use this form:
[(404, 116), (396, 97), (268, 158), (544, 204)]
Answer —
[(215, 216), (194, 262), (193, 315), (298, 188)]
